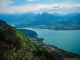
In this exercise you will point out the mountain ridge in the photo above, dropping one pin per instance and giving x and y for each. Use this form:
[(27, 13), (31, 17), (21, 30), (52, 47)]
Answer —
[(50, 21), (20, 18)]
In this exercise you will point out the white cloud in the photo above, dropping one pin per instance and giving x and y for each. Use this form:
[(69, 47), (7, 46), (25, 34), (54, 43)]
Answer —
[(6, 7), (5, 3), (57, 6)]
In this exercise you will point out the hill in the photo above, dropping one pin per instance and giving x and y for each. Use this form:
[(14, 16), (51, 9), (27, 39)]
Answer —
[(11, 38), (29, 33), (14, 45)]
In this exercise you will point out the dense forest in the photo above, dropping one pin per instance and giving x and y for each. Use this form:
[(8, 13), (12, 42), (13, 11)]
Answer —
[(29, 33)]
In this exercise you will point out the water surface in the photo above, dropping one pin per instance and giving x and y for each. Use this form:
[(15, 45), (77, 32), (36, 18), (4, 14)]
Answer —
[(65, 39)]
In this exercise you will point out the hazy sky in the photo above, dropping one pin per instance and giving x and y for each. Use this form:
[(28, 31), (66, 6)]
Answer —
[(39, 6)]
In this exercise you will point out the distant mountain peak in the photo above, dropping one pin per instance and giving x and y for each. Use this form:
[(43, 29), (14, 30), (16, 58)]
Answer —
[(45, 13)]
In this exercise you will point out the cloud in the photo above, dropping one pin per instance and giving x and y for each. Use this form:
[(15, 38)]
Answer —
[(30, 0), (5, 3), (7, 7), (58, 6)]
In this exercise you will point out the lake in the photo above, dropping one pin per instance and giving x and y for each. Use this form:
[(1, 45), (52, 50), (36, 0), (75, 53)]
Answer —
[(65, 39)]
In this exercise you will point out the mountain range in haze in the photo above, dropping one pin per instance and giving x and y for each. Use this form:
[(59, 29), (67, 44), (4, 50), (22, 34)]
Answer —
[(55, 21)]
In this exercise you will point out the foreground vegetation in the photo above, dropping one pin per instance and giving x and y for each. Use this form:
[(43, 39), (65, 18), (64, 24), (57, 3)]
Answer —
[(44, 52)]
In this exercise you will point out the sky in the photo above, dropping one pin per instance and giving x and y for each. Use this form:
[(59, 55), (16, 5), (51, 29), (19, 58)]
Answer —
[(39, 6)]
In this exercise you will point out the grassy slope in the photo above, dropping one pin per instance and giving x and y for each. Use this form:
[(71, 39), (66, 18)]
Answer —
[(14, 36), (24, 41), (11, 38)]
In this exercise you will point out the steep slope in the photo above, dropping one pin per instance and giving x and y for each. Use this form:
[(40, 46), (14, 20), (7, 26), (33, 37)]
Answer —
[(14, 45), (11, 38)]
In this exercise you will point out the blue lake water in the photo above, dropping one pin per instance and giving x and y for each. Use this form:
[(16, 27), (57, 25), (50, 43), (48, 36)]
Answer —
[(65, 39)]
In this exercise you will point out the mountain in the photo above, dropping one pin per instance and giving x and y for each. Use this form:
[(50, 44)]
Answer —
[(14, 45), (71, 14), (16, 18), (43, 19), (54, 21), (49, 21), (39, 19)]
